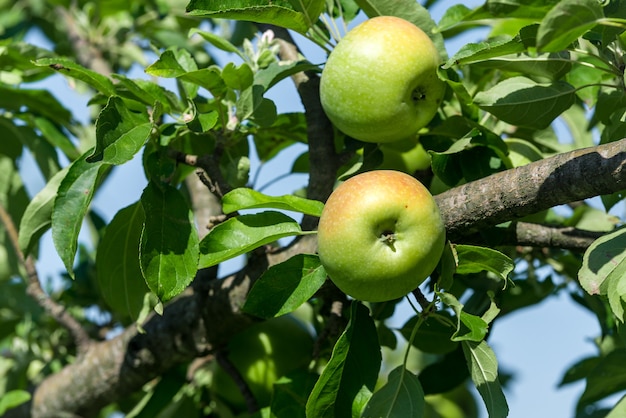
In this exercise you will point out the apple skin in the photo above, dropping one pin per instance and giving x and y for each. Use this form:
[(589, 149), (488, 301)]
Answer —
[(262, 354), (380, 82), (380, 235)]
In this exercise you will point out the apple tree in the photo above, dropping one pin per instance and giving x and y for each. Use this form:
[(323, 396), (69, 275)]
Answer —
[(524, 156)]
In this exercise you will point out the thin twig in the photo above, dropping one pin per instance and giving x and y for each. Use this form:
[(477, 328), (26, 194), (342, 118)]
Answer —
[(34, 289), (251, 403), (212, 176)]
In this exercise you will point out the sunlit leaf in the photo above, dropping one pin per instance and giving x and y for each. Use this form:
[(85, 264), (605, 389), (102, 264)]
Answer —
[(285, 287), (604, 270), (147, 92), (71, 69), (566, 22), (278, 12), (217, 41), (469, 327), (474, 259), (120, 133), (483, 367), (37, 217), (13, 399), (602, 259), (521, 101), (70, 206), (242, 234), (245, 198)]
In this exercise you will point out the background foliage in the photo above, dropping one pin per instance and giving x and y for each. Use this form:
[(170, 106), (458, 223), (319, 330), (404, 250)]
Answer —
[(531, 129)]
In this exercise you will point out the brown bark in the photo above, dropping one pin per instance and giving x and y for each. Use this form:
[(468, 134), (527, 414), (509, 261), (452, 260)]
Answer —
[(513, 194)]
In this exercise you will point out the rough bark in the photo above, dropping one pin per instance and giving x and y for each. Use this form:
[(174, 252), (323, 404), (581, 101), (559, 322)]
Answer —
[(529, 189)]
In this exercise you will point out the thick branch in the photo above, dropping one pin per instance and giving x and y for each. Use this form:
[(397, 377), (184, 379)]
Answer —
[(538, 186), (324, 161)]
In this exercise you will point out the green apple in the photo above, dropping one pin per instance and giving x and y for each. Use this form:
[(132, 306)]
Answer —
[(406, 155), (380, 82), (262, 354), (380, 235)]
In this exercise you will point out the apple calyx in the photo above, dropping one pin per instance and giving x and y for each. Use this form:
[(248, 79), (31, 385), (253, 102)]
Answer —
[(389, 238), (418, 94)]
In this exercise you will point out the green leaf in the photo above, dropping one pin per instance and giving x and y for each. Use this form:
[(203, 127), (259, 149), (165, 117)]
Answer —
[(38, 102), (287, 129), (548, 67), (351, 372), (120, 133), (278, 12), (285, 286), (217, 41), (473, 259), (244, 233), (237, 77), (521, 101), (401, 396), (117, 261), (290, 394), (37, 217), (434, 334), (167, 66), (71, 69), (601, 261), (469, 327), (604, 270), (486, 50), (147, 92), (606, 378), (483, 367), (566, 22), (268, 77), (446, 373), (70, 206), (244, 198), (169, 241), (580, 370), (13, 399), (50, 131)]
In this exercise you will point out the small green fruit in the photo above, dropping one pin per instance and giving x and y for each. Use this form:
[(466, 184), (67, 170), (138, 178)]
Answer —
[(406, 155), (380, 235), (380, 83), (262, 354)]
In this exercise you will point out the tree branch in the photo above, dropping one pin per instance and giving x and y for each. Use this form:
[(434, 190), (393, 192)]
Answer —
[(324, 161), (529, 189), (56, 311), (535, 235)]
